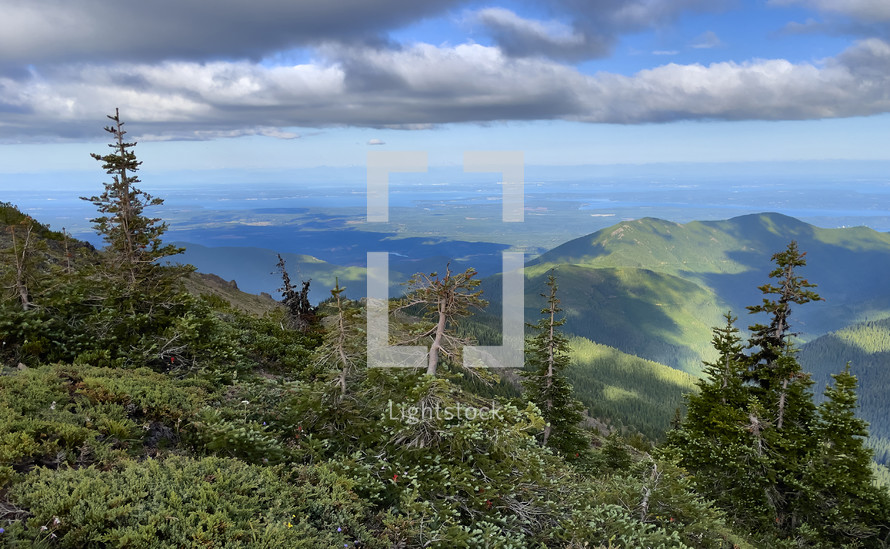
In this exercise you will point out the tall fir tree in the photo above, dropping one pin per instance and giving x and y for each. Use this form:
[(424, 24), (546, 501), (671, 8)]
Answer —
[(781, 387), (545, 383), (720, 438), (842, 501), (140, 302), (770, 341), (133, 240)]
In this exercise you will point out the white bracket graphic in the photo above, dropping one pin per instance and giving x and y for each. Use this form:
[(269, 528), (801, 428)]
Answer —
[(511, 164), (380, 165), (507, 355)]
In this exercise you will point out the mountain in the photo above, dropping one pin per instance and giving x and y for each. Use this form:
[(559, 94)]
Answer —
[(628, 390), (696, 270), (212, 285), (653, 315), (56, 249)]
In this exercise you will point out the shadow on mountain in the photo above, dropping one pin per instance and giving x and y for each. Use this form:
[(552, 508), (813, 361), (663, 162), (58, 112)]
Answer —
[(637, 311)]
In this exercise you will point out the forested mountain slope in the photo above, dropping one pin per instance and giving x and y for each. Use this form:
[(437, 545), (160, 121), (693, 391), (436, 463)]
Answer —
[(866, 346), (722, 263), (626, 390)]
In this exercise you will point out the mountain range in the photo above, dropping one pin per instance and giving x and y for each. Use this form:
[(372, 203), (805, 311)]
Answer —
[(641, 297)]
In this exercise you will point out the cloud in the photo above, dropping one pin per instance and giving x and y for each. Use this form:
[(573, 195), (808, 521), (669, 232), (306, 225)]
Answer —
[(665, 52), (867, 11), (527, 37), (865, 18), (707, 40), (48, 31), (424, 85), (593, 29), (376, 142)]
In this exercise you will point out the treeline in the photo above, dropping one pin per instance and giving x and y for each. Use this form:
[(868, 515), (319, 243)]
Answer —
[(760, 447)]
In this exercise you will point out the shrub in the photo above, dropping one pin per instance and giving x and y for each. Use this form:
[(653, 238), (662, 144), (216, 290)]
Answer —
[(78, 415), (183, 502)]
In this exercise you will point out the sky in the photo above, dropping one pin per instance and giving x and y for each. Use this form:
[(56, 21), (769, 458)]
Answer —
[(288, 84)]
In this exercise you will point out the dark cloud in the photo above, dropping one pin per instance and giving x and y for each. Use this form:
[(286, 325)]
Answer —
[(47, 31), (592, 28), (520, 37)]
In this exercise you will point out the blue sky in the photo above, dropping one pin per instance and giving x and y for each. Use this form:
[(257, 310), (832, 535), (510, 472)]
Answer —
[(282, 84)]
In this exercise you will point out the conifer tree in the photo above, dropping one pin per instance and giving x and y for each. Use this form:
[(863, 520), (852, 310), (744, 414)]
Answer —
[(133, 240), (720, 439), (300, 312), (771, 341), (442, 300), (781, 388), (545, 382), (23, 268), (843, 503), (343, 347), (140, 304)]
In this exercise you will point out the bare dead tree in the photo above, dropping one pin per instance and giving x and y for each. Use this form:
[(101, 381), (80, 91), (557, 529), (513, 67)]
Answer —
[(300, 312), (22, 263)]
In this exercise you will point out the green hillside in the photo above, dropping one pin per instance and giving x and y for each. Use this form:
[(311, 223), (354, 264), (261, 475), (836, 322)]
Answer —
[(618, 389), (625, 389), (722, 263), (653, 315), (866, 346)]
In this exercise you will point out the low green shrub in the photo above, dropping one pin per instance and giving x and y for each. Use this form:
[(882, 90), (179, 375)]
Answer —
[(79, 415), (183, 502)]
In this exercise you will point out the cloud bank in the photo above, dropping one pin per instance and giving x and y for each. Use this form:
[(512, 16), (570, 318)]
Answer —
[(425, 85), (179, 69)]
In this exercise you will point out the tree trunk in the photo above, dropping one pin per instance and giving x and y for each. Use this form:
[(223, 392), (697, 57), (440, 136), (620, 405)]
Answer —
[(21, 285), (341, 348), (551, 358), (433, 359), (782, 403)]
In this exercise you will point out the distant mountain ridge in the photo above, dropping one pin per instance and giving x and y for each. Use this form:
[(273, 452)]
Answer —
[(649, 287), (726, 261)]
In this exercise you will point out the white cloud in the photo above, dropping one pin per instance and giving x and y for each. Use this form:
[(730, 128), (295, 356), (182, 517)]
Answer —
[(424, 85), (376, 142), (206, 135), (665, 52)]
